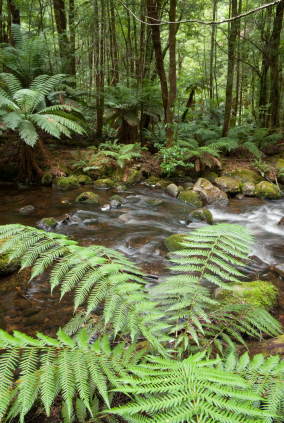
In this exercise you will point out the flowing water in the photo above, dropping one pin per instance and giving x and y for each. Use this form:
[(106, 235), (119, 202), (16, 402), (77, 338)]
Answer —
[(137, 229)]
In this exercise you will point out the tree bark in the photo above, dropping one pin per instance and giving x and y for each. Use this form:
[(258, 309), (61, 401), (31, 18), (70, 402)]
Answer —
[(230, 72), (15, 12), (212, 50), (61, 26), (274, 66), (156, 37), (172, 72), (72, 50)]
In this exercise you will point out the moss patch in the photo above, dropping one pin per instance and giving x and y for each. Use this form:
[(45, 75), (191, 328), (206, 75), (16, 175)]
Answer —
[(7, 266), (103, 183), (162, 184), (154, 202), (49, 221), (46, 180), (210, 176), (133, 177), (152, 180), (228, 185), (243, 175), (65, 183), (88, 197), (258, 293), (173, 242), (117, 198), (267, 190), (84, 180), (191, 198)]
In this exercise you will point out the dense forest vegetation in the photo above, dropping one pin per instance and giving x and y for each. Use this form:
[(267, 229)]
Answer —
[(186, 97)]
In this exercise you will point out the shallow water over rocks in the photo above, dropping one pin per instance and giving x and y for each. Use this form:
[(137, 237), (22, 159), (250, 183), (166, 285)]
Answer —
[(137, 229)]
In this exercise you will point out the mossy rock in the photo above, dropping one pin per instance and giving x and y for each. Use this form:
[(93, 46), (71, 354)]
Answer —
[(210, 193), (172, 190), (103, 183), (88, 197), (257, 293), (173, 242), (210, 176), (188, 186), (120, 187), (66, 183), (134, 176), (84, 180), (7, 266), (152, 180), (266, 190), (228, 185), (191, 198), (154, 202), (248, 189), (46, 180), (180, 188), (243, 175), (117, 198), (47, 223), (200, 215), (162, 184), (269, 347)]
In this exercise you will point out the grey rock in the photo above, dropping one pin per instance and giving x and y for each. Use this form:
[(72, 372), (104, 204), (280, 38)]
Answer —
[(279, 269), (281, 222), (27, 209), (240, 196), (210, 194), (114, 204), (172, 190), (248, 189)]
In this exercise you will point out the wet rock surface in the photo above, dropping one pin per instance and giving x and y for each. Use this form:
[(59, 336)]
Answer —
[(210, 194), (172, 190), (200, 215), (190, 197), (27, 209), (65, 183), (88, 197), (248, 189), (228, 185), (267, 190)]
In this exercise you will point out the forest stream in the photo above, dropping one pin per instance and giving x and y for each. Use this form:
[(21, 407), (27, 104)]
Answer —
[(137, 229)]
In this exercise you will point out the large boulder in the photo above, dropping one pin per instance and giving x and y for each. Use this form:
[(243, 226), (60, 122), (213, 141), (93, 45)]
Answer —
[(134, 176), (210, 194), (88, 197), (200, 215), (228, 185), (266, 190), (46, 180), (243, 175), (103, 183), (173, 242), (257, 293), (66, 183), (248, 189), (190, 197), (172, 190), (84, 180)]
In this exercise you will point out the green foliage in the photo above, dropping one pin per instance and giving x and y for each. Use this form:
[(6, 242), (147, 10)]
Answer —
[(121, 153), (27, 59), (25, 109), (261, 166), (177, 318), (198, 390), (87, 161), (173, 157)]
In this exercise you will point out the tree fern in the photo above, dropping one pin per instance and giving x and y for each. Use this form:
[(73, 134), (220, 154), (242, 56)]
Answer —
[(198, 390)]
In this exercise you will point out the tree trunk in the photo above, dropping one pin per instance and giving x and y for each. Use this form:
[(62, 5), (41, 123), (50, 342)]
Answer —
[(29, 170), (188, 104), (127, 134), (212, 49), (235, 112), (230, 73), (115, 47), (156, 37), (61, 26), (15, 12), (274, 67), (172, 73), (72, 38)]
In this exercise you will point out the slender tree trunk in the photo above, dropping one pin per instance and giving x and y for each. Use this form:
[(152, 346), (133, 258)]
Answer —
[(212, 50), (235, 112), (274, 67), (15, 12), (61, 26), (156, 36), (172, 73), (188, 104), (230, 73), (72, 50), (115, 47), (1, 23)]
